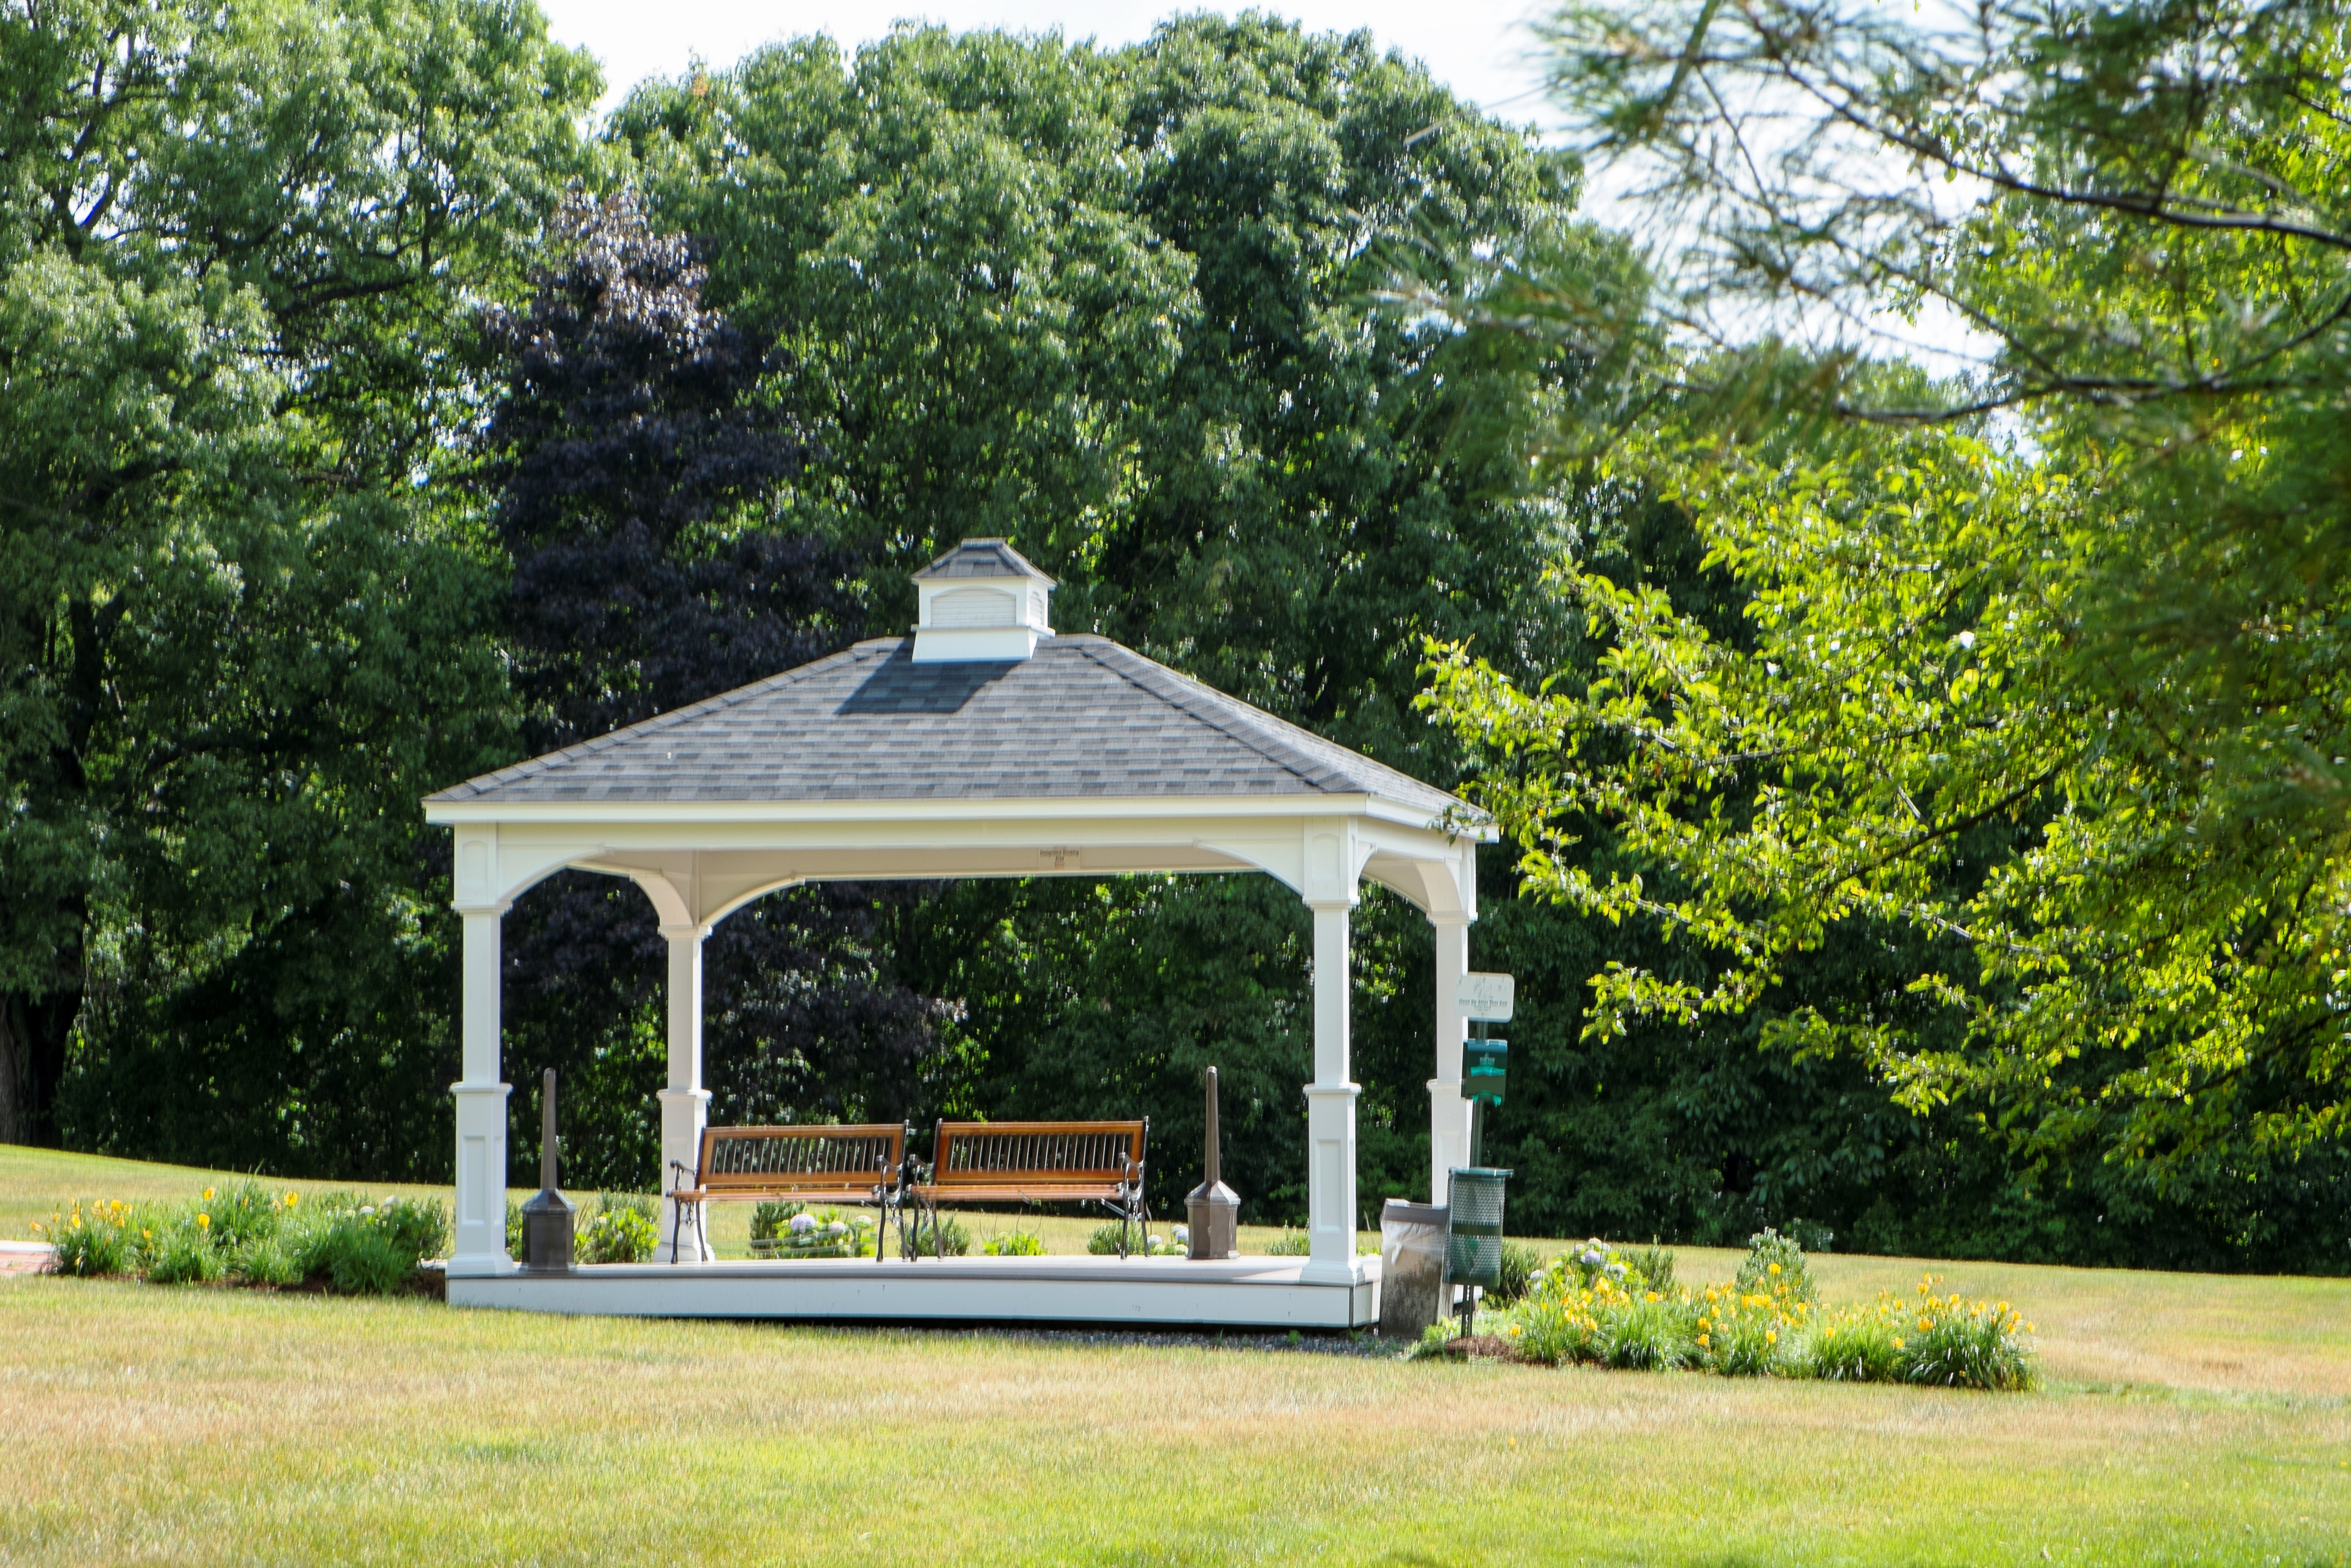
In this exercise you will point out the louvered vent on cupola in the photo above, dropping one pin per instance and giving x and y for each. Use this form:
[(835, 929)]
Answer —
[(980, 602)]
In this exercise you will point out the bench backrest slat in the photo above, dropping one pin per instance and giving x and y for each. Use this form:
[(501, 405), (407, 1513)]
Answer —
[(1036, 1154), (851, 1159)]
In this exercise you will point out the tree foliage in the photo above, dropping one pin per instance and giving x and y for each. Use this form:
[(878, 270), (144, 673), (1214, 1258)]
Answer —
[(2063, 691), (1117, 306), (637, 455), (240, 250)]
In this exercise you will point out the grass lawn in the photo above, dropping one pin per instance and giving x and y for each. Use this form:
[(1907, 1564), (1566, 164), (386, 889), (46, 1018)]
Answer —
[(2183, 1419)]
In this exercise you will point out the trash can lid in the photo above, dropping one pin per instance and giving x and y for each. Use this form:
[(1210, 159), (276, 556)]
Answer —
[(1398, 1211)]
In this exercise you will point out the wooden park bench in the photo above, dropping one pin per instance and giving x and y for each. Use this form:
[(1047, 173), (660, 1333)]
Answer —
[(1038, 1162), (792, 1165)]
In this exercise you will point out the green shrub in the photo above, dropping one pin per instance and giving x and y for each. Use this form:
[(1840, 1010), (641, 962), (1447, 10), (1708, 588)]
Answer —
[(417, 1226), (643, 1204), (366, 1248), (1111, 1238), (621, 1236), (1774, 1262), (514, 1228), (91, 1242), (1015, 1244), (952, 1237), (358, 1259), (1289, 1244)]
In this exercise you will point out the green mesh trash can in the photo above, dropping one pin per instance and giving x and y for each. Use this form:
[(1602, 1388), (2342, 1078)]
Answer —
[(1473, 1240)]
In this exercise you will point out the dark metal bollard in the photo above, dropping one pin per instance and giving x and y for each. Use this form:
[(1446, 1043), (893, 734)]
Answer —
[(546, 1218), (1213, 1209)]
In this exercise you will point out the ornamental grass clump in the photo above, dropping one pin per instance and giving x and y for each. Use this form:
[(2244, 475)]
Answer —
[(1110, 1239), (942, 1235)]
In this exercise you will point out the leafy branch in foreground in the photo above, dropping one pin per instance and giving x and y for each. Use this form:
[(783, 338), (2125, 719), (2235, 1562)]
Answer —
[(2158, 964), (2062, 687), (2043, 190)]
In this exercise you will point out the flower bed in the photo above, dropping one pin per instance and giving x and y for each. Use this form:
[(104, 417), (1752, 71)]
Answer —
[(248, 1235), (1597, 1306)]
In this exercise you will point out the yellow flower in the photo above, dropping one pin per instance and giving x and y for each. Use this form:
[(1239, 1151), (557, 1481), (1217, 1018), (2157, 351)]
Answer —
[(204, 1221), (292, 1198), (1898, 1344), (1703, 1343), (208, 1194), (1654, 1296), (1775, 1268), (1770, 1336)]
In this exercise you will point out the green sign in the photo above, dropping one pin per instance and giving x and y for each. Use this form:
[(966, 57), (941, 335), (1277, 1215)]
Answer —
[(1483, 1066)]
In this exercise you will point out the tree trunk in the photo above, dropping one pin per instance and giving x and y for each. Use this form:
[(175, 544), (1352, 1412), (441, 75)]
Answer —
[(12, 1119), (34, 1034)]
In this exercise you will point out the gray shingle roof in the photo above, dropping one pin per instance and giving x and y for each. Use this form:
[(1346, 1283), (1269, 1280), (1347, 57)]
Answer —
[(1081, 716), (982, 557)]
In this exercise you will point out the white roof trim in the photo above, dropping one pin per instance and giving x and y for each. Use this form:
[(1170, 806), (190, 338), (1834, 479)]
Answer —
[(942, 809)]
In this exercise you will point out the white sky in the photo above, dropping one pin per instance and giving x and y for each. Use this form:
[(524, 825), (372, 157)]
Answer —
[(1480, 49)]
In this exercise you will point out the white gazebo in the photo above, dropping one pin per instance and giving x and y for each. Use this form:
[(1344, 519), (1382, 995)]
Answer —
[(983, 746)]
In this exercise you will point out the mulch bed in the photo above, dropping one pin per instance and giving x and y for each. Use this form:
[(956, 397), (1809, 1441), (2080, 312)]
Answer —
[(1478, 1347)]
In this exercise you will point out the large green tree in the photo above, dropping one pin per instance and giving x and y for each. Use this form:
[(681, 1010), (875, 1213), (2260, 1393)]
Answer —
[(1119, 306), (2040, 657), (242, 251)]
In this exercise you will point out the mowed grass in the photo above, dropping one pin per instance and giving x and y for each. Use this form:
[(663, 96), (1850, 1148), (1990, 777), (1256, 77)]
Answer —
[(2182, 1420)]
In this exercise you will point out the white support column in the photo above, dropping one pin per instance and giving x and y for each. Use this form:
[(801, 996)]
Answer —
[(1332, 862), (685, 1104), (480, 1244), (1331, 1110), (1449, 1114)]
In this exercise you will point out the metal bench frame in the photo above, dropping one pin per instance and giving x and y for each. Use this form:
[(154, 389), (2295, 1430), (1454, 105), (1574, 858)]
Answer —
[(1036, 1162), (813, 1164)]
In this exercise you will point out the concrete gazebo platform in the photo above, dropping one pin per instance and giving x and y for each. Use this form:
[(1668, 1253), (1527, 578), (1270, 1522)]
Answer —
[(982, 745)]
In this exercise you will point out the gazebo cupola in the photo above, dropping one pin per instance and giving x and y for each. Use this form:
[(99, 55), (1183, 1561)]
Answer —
[(980, 602)]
